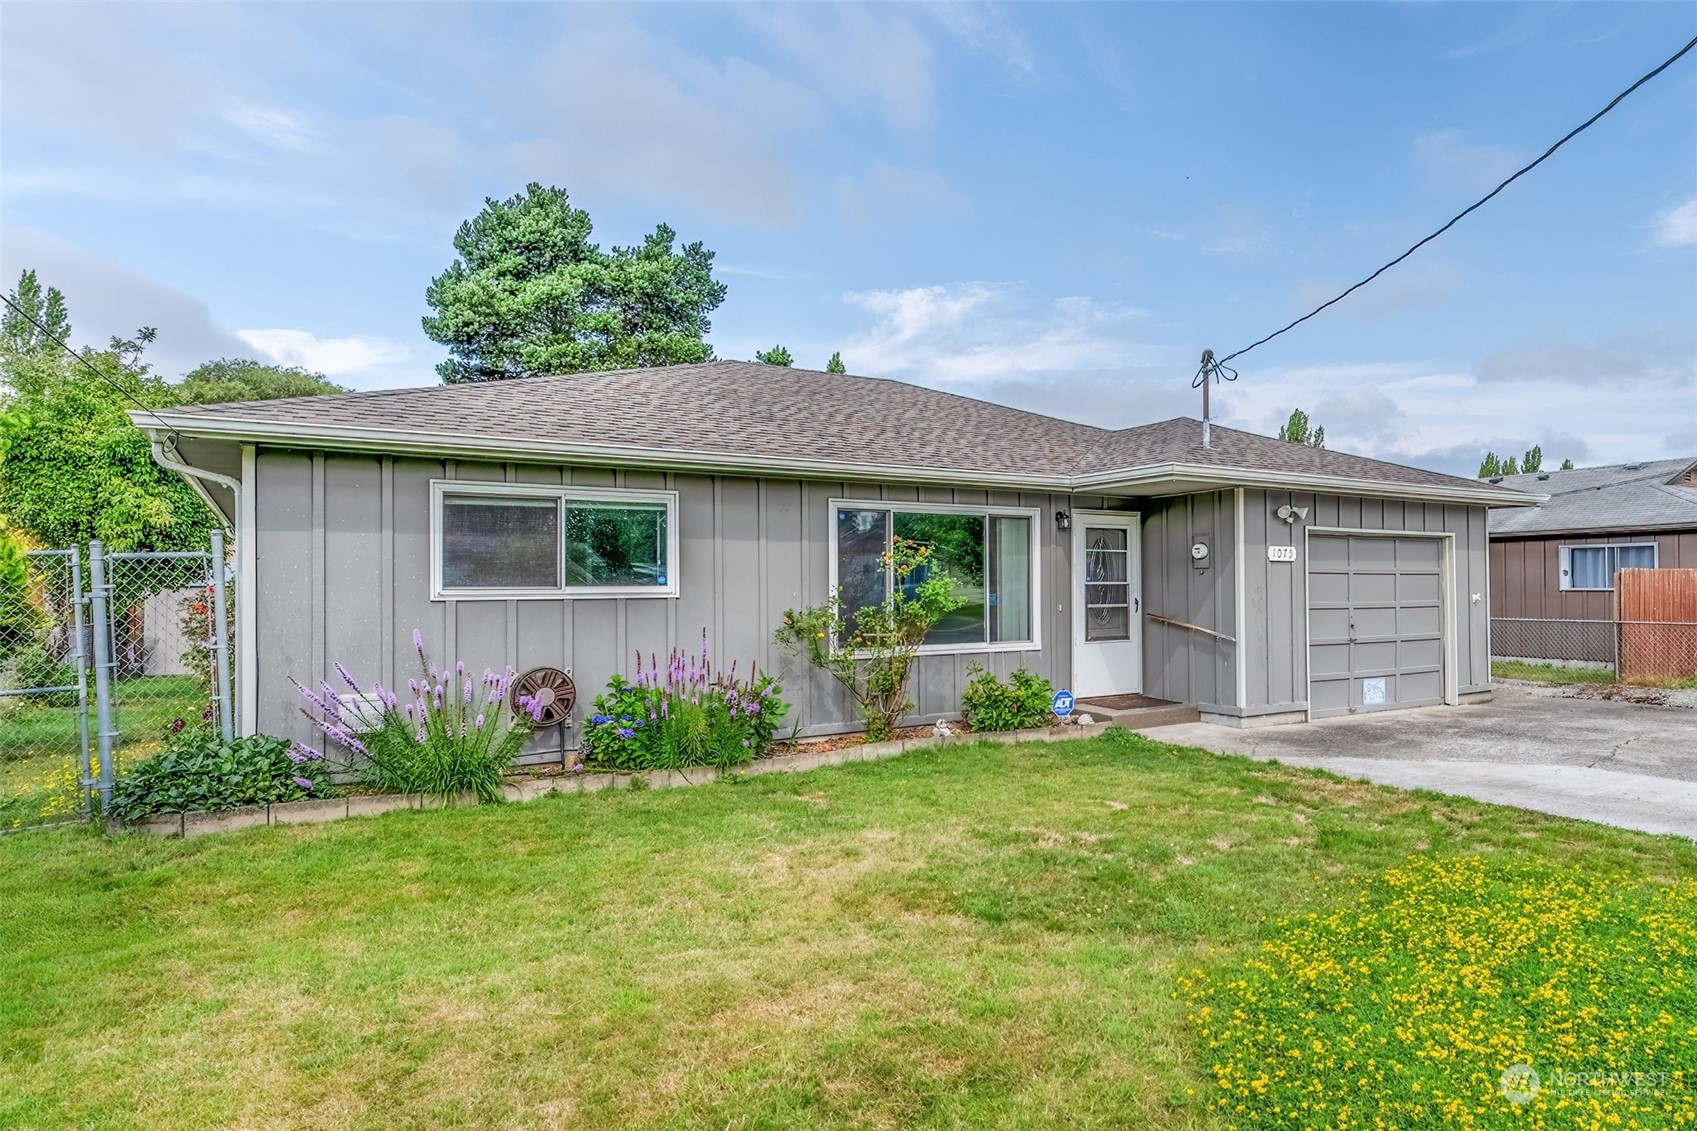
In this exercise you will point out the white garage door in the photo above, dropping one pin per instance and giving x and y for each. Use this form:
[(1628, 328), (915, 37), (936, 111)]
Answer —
[(1375, 623)]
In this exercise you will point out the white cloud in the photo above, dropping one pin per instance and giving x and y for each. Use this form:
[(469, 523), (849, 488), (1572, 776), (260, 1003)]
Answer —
[(332, 357), (1677, 227), (1446, 418), (987, 332)]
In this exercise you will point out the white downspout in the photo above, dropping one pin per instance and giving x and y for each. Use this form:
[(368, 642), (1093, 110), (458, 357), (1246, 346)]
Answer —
[(197, 477), (164, 459)]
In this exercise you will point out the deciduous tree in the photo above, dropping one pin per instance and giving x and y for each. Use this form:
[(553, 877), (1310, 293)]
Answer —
[(1298, 430)]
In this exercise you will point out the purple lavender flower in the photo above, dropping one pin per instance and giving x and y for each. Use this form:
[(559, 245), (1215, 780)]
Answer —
[(480, 722), (295, 756), (410, 707), (418, 642), (346, 678), (459, 668), (304, 783), (467, 689), (412, 686), (314, 699)]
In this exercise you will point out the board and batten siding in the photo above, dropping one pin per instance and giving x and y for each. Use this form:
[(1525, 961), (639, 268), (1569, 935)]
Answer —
[(343, 564), (1182, 664), (1275, 645), (1526, 573)]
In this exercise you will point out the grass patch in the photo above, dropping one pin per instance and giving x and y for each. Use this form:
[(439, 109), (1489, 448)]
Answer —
[(1549, 673), (973, 936), (41, 745)]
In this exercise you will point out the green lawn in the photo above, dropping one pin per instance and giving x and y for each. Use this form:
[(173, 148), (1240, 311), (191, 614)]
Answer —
[(1549, 673), (975, 936)]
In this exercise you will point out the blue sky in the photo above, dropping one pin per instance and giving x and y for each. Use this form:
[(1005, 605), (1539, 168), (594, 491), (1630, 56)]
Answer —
[(1052, 206)]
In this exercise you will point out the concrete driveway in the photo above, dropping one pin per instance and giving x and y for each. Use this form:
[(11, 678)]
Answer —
[(1573, 754)]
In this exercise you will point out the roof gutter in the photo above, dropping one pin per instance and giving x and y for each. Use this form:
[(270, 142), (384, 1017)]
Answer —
[(398, 442), (1220, 477)]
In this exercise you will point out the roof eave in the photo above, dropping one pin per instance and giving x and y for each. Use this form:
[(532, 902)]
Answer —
[(1608, 531), (441, 445), (1143, 478)]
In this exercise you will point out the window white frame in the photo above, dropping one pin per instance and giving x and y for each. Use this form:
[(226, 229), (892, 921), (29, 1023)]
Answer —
[(1035, 514), (1612, 551), (440, 489)]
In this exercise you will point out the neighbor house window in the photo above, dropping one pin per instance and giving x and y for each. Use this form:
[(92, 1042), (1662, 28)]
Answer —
[(990, 553), (1594, 567), (514, 540)]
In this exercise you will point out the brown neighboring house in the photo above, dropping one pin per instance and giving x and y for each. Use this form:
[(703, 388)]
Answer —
[(1558, 561)]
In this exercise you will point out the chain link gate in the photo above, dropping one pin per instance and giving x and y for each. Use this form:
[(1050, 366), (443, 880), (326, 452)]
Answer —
[(103, 661)]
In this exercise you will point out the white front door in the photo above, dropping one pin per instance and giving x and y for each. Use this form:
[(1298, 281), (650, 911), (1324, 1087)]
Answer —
[(1107, 604)]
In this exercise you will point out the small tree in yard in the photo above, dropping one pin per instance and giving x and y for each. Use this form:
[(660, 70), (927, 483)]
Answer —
[(871, 653)]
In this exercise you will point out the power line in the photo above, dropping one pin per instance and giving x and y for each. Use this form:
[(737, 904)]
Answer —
[(1211, 367), (85, 362)]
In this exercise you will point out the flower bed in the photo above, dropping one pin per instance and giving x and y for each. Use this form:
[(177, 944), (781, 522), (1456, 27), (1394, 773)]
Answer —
[(808, 756)]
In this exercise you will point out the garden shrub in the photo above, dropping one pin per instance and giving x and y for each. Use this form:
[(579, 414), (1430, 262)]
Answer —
[(874, 661), (1026, 700), (202, 772), (454, 735), (688, 714)]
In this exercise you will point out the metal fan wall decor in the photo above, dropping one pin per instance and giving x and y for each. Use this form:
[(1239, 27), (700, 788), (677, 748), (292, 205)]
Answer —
[(553, 688)]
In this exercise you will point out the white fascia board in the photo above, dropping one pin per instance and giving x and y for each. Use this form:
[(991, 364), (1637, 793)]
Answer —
[(1208, 477)]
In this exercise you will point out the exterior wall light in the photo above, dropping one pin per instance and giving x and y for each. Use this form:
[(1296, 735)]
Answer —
[(1063, 520)]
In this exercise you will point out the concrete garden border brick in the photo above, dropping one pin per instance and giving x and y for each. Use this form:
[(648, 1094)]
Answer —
[(188, 825)]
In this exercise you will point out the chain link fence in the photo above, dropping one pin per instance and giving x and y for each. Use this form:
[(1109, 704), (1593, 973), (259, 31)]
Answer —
[(1660, 653), (104, 659), (44, 688)]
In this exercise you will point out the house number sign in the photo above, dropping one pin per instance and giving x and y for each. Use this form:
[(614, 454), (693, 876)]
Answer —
[(1281, 553)]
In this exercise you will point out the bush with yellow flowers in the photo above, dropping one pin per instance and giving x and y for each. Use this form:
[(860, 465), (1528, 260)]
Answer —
[(1464, 992)]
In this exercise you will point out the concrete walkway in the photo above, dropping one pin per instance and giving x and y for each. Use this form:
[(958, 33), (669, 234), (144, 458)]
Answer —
[(1631, 765)]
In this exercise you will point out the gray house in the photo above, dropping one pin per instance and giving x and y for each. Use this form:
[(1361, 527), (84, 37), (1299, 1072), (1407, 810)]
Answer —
[(572, 522)]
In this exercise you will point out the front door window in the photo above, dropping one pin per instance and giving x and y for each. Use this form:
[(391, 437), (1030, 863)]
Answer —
[(1107, 584)]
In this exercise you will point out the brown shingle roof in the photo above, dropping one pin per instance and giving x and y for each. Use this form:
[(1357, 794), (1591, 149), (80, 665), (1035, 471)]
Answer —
[(729, 411)]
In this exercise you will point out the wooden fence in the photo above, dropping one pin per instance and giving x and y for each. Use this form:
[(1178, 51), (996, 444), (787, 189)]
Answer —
[(1657, 610)]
